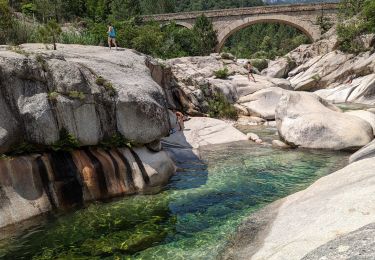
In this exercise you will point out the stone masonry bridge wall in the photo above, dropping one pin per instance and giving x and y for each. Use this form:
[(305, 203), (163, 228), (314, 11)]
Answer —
[(228, 21)]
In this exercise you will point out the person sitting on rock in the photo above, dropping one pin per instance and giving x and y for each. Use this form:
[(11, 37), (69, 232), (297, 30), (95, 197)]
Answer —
[(250, 70), (111, 36), (180, 120)]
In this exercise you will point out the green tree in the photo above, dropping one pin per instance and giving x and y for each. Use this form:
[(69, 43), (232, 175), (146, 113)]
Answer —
[(125, 9), (205, 37), (369, 15), (5, 21), (50, 32), (349, 8)]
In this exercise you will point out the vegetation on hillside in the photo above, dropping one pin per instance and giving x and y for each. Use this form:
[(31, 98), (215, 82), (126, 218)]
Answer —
[(357, 18), (265, 41), (32, 21)]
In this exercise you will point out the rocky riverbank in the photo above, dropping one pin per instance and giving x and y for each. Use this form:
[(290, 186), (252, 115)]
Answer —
[(83, 124)]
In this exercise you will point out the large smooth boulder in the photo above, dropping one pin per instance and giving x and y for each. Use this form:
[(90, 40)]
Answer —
[(365, 115), (291, 228), (306, 120), (263, 102), (279, 68), (87, 90), (366, 152)]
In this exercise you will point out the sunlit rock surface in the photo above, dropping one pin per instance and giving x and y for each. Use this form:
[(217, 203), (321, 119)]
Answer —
[(90, 91), (305, 120)]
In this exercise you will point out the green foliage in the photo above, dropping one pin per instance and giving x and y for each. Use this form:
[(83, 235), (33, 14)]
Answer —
[(264, 41), (350, 8), (50, 32), (260, 64), (42, 62), (52, 96), (222, 73), (18, 49), (77, 95), (29, 8), (116, 141), (107, 85), (205, 37), (219, 107), (324, 23), (67, 142), (348, 37), (369, 15), (22, 148), (5, 21)]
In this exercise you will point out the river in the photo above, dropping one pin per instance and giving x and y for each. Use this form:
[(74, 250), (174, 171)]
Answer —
[(192, 218)]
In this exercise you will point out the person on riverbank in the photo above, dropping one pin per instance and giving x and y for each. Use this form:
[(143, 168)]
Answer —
[(250, 70), (111, 36), (180, 120)]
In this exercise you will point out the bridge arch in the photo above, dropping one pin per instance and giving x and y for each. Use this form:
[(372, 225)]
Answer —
[(310, 30), (180, 23)]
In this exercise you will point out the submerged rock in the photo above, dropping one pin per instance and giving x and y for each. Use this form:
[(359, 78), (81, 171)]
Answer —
[(305, 120), (280, 144)]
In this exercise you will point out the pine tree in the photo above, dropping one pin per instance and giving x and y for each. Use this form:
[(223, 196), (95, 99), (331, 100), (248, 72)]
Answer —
[(205, 37)]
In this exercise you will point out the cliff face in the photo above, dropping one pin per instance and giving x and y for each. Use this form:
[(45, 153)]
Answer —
[(89, 91)]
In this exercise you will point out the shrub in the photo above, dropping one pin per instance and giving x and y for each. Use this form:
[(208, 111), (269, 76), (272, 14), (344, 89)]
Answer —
[(107, 85), (222, 73), (52, 96), (117, 140), (219, 107), (324, 23), (67, 142), (42, 62), (22, 148), (260, 64), (369, 15), (19, 50), (348, 37), (77, 95)]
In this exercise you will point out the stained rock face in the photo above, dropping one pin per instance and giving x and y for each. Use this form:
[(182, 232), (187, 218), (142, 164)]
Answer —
[(89, 91), (305, 120), (32, 185)]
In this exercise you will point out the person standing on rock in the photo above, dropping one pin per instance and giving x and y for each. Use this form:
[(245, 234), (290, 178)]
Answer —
[(111, 36), (250, 70)]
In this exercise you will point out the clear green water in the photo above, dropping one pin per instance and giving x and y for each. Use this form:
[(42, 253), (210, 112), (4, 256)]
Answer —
[(192, 218)]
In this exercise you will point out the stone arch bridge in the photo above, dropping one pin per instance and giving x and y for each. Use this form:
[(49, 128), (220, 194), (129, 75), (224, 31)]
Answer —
[(228, 21)]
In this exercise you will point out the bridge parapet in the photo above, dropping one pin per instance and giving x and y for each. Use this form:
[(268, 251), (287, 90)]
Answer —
[(268, 9)]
